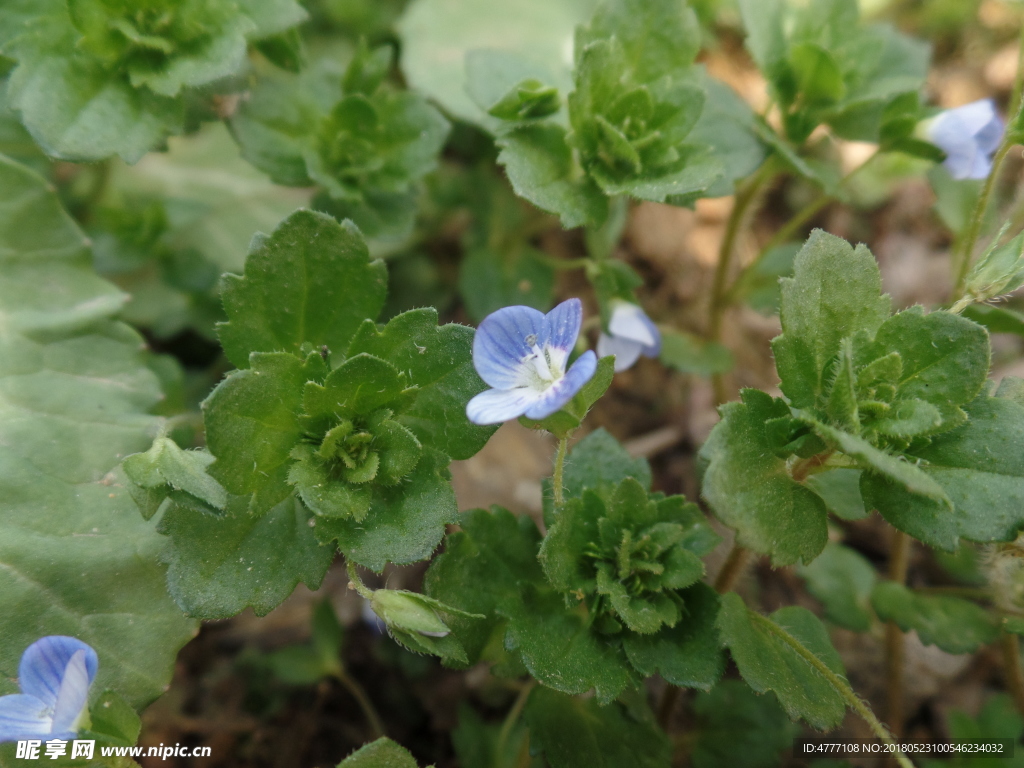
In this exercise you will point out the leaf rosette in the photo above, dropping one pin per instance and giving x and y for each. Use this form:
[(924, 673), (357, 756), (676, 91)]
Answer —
[(627, 556)]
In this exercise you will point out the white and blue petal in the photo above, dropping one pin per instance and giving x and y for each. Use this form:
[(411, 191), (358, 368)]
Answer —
[(630, 334), (564, 323), (562, 391), (504, 339), (625, 351), (43, 665), (968, 135), (73, 696), (494, 406), (23, 717)]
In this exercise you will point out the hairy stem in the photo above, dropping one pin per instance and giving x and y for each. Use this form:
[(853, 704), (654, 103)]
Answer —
[(899, 554), (355, 582), (556, 477), (359, 694), (510, 721), (1010, 647), (964, 258), (837, 682), (796, 223), (732, 569)]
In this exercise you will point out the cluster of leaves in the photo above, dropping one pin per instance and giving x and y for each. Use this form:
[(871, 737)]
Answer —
[(631, 125), (332, 429), (365, 143), (607, 597), (825, 67), (893, 408), (101, 77)]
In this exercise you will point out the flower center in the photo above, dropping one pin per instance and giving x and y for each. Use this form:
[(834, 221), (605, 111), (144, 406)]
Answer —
[(547, 365)]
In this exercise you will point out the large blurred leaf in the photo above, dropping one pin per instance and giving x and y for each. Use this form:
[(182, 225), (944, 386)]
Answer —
[(437, 34), (75, 557), (215, 200)]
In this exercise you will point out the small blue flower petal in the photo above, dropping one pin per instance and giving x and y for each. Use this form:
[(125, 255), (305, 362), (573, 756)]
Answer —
[(563, 390), (23, 717), (43, 665), (968, 135), (73, 695), (625, 351), (493, 406), (564, 323), (503, 339), (630, 334)]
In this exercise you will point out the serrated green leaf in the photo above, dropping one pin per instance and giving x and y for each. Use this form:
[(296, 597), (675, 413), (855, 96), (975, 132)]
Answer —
[(600, 460), (750, 488), (688, 654), (953, 624), (842, 580), (575, 732), (437, 361), (75, 558), (945, 358), (310, 282), (382, 753), (252, 424), (772, 655), (219, 566), (738, 728), (979, 465), (836, 292), (480, 570), (509, 86), (541, 168), (405, 522)]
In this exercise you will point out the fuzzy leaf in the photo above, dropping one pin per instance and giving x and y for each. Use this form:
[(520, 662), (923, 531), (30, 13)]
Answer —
[(405, 522), (765, 650), (835, 292), (310, 282), (574, 732), (165, 469), (540, 167), (980, 467), (382, 753), (437, 361), (751, 490), (219, 566)]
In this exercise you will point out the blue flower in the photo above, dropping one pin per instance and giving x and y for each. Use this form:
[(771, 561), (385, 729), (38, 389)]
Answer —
[(631, 334), (968, 135), (522, 353), (55, 674)]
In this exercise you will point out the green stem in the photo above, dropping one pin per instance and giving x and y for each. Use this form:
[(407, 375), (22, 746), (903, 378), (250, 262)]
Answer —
[(964, 257), (356, 583), (359, 694), (841, 686), (795, 224), (899, 558), (510, 720), (746, 194), (732, 569), (556, 477)]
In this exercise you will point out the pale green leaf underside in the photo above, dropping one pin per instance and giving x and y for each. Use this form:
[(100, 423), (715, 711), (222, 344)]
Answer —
[(75, 556)]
